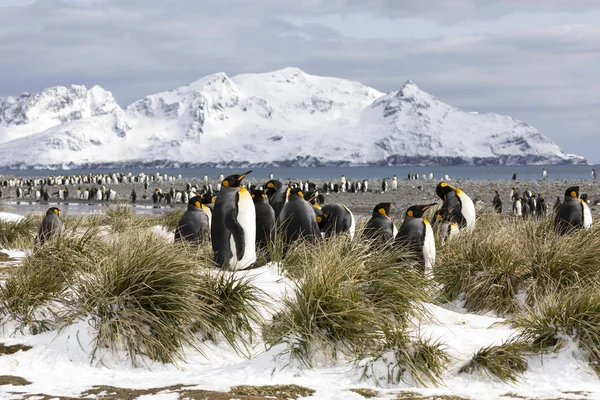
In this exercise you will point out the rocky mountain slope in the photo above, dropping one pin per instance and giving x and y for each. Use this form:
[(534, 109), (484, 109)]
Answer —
[(285, 118)]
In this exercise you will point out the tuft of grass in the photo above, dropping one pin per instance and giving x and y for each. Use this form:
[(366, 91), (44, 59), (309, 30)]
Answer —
[(143, 299), (405, 358), (19, 234), (504, 362), (505, 264), (170, 219), (365, 392), (566, 314), (343, 297), (28, 291), (237, 303)]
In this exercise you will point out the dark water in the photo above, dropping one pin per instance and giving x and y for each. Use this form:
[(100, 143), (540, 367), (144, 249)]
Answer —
[(456, 172)]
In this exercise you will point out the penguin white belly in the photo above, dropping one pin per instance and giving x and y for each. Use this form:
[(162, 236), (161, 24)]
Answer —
[(208, 213), (352, 224), (518, 209), (394, 230), (247, 219), (428, 249), (587, 215), (467, 208)]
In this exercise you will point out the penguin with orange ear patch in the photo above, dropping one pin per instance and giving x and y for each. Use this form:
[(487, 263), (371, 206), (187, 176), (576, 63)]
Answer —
[(194, 224), (380, 228), (233, 230), (572, 214), (50, 226), (416, 234)]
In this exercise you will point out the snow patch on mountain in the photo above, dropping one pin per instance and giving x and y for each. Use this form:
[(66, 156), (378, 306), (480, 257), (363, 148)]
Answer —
[(285, 118)]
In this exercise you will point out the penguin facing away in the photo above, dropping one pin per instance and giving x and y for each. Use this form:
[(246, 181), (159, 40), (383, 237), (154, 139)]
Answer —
[(278, 195), (265, 221), (298, 220), (338, 219), (233, 230), (417, 235), (50, 226), (497, 203), (194, 224), (380, 228)]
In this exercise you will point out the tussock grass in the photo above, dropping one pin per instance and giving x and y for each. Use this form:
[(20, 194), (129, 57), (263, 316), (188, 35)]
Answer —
[(504, 362), (415, 360), (169, 219), (237, 303), (19, 234), (142, 299), (571, 314), (344, 298), (28, 291), (505, 264)]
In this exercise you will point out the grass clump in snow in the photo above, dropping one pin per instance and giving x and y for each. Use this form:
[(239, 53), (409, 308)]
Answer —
[(237, 303), (344, 298), (561, 317), (143, 298), (505, 264), (19, 234), (504, 362), (406, 359), (44, 277)]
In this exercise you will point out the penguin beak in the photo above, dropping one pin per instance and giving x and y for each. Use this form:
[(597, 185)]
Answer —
[(428, 206), (242, 176)]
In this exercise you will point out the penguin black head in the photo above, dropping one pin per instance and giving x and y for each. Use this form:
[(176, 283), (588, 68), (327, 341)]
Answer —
[(442, 189), (196, 201), (207, 198), (233, 181), (274, 185), (295, 192), (53, 210), (584, 197), (382, 209), (417, 211), (573, 191), (258, 196)]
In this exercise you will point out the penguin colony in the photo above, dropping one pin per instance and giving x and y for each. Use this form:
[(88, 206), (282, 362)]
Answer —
[(238, 221)]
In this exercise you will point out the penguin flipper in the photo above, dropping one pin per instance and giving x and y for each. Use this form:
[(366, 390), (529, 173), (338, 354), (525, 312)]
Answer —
[(232, 224)]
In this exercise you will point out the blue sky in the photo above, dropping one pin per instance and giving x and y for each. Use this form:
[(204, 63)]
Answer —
[(536, 60)]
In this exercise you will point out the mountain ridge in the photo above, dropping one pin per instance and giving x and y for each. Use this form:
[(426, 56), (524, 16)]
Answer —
[(278, 118)]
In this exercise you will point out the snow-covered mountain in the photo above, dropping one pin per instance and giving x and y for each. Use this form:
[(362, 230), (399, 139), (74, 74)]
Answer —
[(285, 118)]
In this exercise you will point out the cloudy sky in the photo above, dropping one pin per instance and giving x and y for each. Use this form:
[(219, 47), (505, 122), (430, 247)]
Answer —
[(536, 60)]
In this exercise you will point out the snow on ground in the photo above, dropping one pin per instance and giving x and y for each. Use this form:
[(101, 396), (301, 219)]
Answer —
[(59, 364), (10, 217)]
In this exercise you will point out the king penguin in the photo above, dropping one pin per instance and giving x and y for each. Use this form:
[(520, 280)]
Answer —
[(380, 228), (416, 234), (457, 207), (298, 220), (278, 195), (497, 203), (338, 219), (194, 224), (233, 229), (50, 226), (265, 221), (573, 213)]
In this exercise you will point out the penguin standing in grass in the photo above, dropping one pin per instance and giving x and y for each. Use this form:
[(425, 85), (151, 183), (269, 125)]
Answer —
[(278, 195), (457, 206), (416, 234), (265, 221), (233, 230), (194, 224), (497, 203), (338, 219), (297, 220), (50, 226), (573, 213), (380, 228)]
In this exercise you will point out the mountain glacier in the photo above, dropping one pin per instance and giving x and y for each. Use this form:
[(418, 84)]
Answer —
[(280, 118)]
